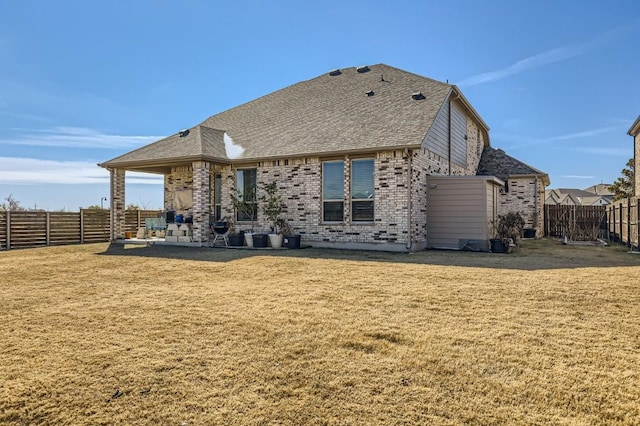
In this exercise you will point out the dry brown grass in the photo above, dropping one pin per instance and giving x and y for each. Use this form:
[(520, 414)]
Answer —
[(96, 334)]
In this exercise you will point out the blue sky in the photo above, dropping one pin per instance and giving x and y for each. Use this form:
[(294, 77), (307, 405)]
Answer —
[(81, 82)]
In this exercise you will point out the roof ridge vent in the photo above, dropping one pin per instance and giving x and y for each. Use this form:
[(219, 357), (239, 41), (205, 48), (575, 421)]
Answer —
[(335, 72), (418, 96), (183, 133), (363, 69)]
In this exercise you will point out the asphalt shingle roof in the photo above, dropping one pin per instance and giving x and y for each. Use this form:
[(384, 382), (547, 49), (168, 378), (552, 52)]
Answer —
[(327, 114), (495, 162)]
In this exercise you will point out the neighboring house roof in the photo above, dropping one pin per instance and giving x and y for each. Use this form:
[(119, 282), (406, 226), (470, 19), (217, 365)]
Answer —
[(495, 162), (594, 201), (576, 196), (635, 127), (352, 110), (568, 200), (574, 192), (599, 189)]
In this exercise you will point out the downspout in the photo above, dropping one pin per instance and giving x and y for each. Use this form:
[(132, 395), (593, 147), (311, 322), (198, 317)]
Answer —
[(409, 200), (450, 131)]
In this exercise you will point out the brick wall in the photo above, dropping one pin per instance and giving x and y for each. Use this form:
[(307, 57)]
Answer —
[(525, 195), (117, 203)]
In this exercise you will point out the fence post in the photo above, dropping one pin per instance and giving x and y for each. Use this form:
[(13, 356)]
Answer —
[(81, 226), (8, 229), (48, 231), (139, 225), (609, 222), (629, 222)]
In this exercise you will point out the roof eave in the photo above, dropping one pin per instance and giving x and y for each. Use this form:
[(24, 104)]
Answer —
[(543, 176), (473, 111), (161, 162), (635, 127)]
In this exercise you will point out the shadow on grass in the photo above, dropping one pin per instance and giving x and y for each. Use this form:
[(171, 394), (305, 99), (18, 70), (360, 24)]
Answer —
[(530, 255)]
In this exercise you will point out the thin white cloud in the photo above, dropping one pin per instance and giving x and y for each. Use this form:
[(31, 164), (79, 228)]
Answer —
[(77, 137), (544, 58), (551, 56), (518, 141), (614, 152), (577, 177), (581, 135), (17, 170)]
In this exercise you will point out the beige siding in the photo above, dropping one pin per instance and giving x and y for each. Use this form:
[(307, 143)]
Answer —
[(458, 136), (437, 140), (459, 208)]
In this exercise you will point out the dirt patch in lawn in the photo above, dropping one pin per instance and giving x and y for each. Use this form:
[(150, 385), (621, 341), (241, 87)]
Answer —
[(100, 334)]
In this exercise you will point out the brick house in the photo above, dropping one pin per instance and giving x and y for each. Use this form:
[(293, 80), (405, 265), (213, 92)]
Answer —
[(351, 151)]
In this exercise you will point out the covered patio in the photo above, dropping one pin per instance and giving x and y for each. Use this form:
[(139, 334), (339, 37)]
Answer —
[(190, 162)]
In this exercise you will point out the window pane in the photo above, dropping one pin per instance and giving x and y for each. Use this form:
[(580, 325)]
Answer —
[(217, 188), (333, 211), (362, 211), (246, 193), (362, 179), (333, 180)]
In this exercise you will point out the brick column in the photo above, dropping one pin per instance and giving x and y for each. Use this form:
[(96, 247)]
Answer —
[(201, 201), (117, 203)]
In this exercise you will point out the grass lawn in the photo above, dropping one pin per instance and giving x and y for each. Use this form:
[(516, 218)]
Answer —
[(100, 334)]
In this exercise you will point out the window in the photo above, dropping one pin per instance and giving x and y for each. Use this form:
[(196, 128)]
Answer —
[(217, 196), (246, 198), (362, 190), (333, 191)]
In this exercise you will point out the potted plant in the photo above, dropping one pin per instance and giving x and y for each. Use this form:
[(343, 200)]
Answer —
[(290, 240), (507, 229), (272, 209), (235, 237)]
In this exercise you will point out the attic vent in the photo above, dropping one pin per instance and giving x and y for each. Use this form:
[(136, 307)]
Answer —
[(418, 96), (335, 72), (363, 69), (370, 93), (183, 133)]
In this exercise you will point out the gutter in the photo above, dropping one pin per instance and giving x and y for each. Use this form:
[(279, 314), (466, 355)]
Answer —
[(409, 200)]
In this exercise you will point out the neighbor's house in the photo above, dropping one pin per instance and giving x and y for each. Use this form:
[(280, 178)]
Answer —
[(635, 132), (352, 151), (597, 195)]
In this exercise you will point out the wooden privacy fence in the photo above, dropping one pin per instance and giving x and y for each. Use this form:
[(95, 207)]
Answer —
[(22, 229), (622, 222), (577, 223)]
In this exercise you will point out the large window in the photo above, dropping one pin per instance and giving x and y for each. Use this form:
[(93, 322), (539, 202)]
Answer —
[(362, 190), (246, 197), (333, 191)]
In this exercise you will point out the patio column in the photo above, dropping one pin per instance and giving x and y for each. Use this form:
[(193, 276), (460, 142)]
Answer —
[(201, 201), (117, 203)]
